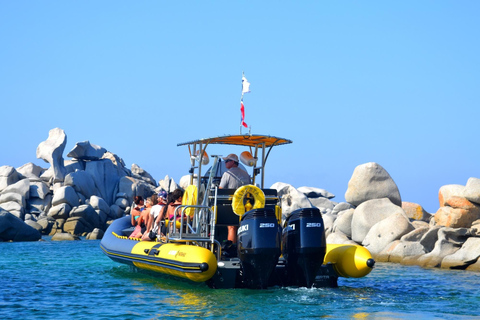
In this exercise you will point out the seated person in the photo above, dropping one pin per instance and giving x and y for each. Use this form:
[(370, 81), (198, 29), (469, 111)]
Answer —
[(234, 178), (142, 221), (159, 201), (137, 210)]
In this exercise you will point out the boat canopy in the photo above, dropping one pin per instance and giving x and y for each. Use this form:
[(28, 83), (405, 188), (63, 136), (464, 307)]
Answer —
[(241, 140), (258, 145)]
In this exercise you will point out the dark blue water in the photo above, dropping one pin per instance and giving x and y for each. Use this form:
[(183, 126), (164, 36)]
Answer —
[(75, 280)]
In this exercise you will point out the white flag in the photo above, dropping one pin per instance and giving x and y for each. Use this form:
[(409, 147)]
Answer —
[(245, 85)]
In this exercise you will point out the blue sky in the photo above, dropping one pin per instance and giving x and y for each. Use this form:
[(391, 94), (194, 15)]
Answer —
[(349, 82)]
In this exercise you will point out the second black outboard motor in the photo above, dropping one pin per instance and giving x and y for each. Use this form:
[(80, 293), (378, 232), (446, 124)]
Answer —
[(303, 246), (258, 246)]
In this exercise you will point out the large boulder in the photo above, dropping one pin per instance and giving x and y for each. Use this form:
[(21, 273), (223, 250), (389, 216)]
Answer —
[(449, 241), (14, 208), (343, 223), (21, 187), (31, 171), (457, 217), (291, 198), (40, 206), (51, 150), (88, 213), (167, 184), (415, 211), (386, 231), (86, 151), (64, 236), (141, 174), (472, 190), (371, 181), (468, 254), (38, 189), (8, 176), (82, 182), (398, 250), (14, 229), (312, 192), (106, 176), (369, 213), (96, 234), (65, 194), (77, 226), (60, 211)]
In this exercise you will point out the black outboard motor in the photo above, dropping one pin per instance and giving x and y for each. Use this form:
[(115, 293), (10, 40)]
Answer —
[(258, 246), (303, 246)]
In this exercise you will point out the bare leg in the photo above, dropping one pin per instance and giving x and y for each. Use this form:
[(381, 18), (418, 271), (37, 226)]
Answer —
[(232, 233)]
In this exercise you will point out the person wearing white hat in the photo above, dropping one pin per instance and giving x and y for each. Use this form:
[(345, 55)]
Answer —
[(235, 177)]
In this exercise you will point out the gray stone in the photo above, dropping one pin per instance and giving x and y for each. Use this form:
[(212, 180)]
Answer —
[(341, 207), (371, 181), (141, 174), (106, 176), (343, 222), (122, 195), (167, 184), (47, 224), (37, 205), (96, 234), (122, 203), (77, 226), (88, 213), (386, 231), (328, 221), (291, 198), (415, 211), (14, 229), (22, 187), (82, 182), (86, 151), (370, 212), (65, 194), (415, 235), (99, 204), (429, 239), (311, 192), (116, 212), (8, 176), (14, 208), (323, 203), (398, 250), (38, 189), (468, 254), (31, 171), (472, 190), (449, 241), (64, 236), (116, 160), (10, 196), (74, 165), (34, 225), (51, 150), (60, 211), (339, 238)]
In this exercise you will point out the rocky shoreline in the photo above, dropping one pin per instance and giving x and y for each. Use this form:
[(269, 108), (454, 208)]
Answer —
[(82, 196)]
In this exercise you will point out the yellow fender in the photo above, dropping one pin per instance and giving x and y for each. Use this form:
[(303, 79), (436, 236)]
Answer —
[(190, 199), (349, 261), (237, 200)]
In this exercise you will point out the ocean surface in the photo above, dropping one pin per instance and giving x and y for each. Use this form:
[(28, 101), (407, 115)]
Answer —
[(75, 280)]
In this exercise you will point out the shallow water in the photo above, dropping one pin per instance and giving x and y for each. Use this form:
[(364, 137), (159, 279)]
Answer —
[(48, 279)]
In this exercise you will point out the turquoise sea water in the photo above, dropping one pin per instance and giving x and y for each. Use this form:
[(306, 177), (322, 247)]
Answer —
[(75, 280)]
